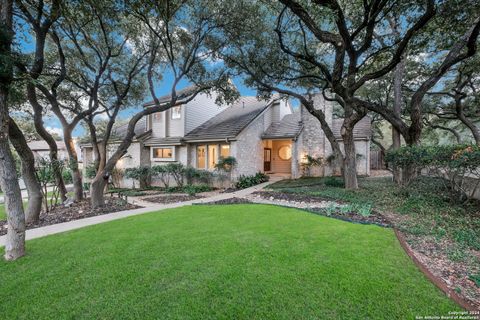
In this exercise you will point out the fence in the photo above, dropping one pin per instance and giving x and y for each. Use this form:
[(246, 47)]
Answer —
[(377, 160)]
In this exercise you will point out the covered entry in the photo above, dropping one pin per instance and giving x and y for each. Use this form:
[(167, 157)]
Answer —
[(277, 156)]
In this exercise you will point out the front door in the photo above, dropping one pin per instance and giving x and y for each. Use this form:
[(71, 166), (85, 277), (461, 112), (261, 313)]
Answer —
[(267, 159)]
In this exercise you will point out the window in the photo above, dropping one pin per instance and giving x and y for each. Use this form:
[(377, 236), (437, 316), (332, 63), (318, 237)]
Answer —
[(163, 153), (212, 156), (224, 150), (208, 155), (201, 157), (285, 152), (157, 116), (176, 112)]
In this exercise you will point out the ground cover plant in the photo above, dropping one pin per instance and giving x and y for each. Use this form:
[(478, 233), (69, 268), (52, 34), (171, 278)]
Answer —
[(235, 261)]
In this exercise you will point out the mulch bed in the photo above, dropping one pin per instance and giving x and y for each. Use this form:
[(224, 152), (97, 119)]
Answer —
[(374, 218), (233, 200), (77, 210), (171, 198), (455, 275)]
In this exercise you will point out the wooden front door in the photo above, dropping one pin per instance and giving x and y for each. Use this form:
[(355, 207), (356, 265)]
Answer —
[(267, 159)]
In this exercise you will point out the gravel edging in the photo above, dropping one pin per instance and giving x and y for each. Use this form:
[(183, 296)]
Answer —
[(439, 283)]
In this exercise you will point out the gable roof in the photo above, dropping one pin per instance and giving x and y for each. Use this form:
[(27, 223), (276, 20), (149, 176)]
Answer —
[(120, 132), (42, 145), (362, 130), (182, 93), (230, 122), (289, 127)]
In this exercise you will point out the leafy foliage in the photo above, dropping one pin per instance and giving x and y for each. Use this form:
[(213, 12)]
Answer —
[(249, 181), (311, 162), (458, 164), (45, 173), (226, 164), (143, 174)]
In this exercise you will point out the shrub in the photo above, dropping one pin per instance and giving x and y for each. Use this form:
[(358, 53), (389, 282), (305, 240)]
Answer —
[(90, 171), (335, 182), (311, 162), (193, 175), (142, 174), (194, 189), (249, 181), (45, 172), (162, 173), (457, 164), (226, 164), (177, 171), (67, 176)]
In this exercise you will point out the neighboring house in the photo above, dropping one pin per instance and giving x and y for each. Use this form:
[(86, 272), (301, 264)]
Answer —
[(41, 149), (266, 136)]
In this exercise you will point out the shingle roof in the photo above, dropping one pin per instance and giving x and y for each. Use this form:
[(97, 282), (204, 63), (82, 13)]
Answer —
[(230, 122), (39, 145), (121, 131), (166, 98), (167, 141), (362, 130), (289, 127)]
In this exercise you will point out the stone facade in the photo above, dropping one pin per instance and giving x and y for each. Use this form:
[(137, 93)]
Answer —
[(248, 149), (312, 140)]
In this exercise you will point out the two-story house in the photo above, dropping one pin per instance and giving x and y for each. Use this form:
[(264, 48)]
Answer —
[(266, 136)]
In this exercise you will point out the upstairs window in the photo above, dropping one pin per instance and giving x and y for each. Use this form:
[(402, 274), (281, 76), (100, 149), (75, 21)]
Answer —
[(176, 112), (157, 116)]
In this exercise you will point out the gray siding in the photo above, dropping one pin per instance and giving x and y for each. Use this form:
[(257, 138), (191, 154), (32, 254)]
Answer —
[(176, 127), (199, 110), (158, 125)]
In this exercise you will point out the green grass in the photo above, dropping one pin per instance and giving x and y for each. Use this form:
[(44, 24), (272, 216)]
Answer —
[(426, 202), (211, 262), (3, 212)]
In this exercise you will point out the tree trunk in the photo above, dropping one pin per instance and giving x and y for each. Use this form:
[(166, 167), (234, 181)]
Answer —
[(18, 141), (38, 121), (397, 110), (97, 189), (350, 159), (15, 242), (467, 122), (73, 165)]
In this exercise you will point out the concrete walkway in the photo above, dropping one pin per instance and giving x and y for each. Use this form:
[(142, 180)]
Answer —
[(77, 224)]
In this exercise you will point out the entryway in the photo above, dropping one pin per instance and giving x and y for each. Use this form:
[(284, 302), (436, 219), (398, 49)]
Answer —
[(277, 157)]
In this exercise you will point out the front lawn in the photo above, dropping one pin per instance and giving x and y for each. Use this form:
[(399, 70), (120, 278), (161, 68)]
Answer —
[(210, 262), (426, 205)]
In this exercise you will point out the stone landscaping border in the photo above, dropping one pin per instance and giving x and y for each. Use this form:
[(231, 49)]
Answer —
[(433, 278)]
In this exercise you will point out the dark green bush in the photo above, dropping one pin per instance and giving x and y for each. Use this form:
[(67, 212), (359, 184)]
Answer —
[(90, 171), (249, 181), (194, 175), (226, 164), (335, 182), (194, 189), (456, 164), (142, 174), (67, 176), (176, 171)]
